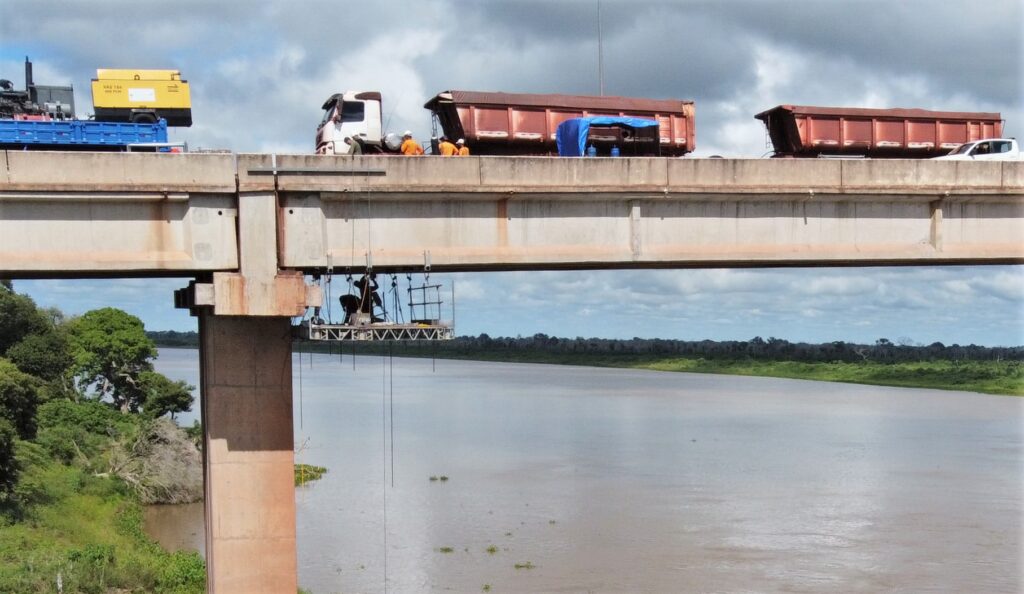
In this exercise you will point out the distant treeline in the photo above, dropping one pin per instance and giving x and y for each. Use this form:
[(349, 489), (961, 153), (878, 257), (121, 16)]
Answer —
[(170, 338), (757, 348)]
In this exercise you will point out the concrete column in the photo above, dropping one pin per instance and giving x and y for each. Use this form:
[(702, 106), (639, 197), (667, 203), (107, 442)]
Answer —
[(246, 378)]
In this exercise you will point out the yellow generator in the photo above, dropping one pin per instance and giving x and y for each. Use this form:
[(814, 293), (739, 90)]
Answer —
[(141, 96)]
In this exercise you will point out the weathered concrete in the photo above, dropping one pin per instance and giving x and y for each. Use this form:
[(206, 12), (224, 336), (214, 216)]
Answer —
[(246, 377), (153, 214)]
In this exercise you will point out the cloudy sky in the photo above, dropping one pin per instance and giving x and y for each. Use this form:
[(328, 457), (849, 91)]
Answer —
[(260, 71)]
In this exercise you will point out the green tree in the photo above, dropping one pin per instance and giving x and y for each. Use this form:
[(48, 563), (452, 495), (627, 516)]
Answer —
[(19, 317), (110, 350), (8, 466), (160, 395), (46, 355), (18, 400)]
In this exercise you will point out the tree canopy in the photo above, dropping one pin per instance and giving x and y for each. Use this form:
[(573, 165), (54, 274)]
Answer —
[(19, 318), (18, 400), (110, 351)]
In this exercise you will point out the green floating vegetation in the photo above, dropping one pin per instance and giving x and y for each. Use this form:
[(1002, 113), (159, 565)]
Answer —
[(991, 377), (491, 550), (443, 478), (527, 565), (486, 588), (446, 550), (433, 479), (305, 473)]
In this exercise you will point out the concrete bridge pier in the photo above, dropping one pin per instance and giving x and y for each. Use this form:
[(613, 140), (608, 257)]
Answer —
[(248, 472)]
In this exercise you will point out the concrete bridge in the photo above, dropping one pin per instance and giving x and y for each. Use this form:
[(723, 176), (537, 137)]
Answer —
[(246, 228)]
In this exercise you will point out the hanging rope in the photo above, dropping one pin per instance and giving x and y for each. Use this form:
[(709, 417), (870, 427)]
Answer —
[(391, 400), (384, 455), (299, 347)]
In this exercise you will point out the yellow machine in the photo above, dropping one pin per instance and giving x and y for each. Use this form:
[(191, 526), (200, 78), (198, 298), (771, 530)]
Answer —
[(141, 96)]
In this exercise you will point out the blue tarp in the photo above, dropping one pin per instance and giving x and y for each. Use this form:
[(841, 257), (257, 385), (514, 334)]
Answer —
[(572, 134)]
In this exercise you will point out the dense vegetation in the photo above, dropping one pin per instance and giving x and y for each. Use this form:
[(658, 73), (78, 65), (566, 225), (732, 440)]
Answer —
[(85, 439)]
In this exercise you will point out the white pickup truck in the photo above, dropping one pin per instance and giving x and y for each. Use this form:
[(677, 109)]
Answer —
[(988, 149)]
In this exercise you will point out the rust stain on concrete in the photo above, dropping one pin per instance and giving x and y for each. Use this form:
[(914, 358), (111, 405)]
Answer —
[(502, 220)]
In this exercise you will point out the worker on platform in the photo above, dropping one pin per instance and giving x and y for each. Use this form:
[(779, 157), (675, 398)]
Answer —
[(463, 149), (447, 148), (354, 146), (410, 148), (369, 298)]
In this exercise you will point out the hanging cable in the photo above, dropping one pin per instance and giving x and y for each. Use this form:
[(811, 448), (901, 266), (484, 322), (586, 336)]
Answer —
[(384, 455), (391, 401), (299, 346)]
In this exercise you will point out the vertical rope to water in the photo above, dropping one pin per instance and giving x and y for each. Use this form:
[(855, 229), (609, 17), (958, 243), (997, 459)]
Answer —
[(300, 387), (391, 399), (384, 456)]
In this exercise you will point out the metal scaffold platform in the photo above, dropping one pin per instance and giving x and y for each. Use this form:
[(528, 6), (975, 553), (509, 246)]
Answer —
[(374, 331), (368, 318)]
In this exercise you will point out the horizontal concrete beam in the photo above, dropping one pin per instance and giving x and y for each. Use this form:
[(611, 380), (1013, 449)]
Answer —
[(753, 179), (520, 233), (73, 214)]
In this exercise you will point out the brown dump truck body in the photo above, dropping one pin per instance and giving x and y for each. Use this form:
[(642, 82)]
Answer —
[(525, 124), (805, 131)]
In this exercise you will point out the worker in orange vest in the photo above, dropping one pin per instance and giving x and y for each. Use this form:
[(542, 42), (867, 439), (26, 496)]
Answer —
[(462, 148), (410, 148), (447, 148)]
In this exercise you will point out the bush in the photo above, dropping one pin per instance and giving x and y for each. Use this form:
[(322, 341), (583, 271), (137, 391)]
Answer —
[(185, 571)]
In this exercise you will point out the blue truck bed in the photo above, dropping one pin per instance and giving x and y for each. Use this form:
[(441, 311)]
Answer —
[(78, 134)]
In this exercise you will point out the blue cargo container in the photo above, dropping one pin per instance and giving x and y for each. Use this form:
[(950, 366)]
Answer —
[(79, 135)]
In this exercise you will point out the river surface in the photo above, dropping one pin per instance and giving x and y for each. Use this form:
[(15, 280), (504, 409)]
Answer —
[(610, 480)]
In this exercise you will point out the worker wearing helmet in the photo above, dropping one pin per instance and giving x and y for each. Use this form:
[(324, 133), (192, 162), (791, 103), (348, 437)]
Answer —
[(410, 148), (447, 148), (462, 148)]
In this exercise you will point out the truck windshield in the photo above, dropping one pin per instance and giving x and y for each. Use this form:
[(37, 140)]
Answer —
[(328, 113)]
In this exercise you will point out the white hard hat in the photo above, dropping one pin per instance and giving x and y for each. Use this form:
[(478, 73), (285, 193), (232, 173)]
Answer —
[(460, 141), (407, 133)]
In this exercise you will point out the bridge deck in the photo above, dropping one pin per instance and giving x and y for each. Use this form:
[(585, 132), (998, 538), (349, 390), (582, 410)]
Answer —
[(75, 214)]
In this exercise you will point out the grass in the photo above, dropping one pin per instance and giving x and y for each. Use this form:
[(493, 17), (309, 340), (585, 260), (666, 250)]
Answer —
[(88, 530), (990, 377)]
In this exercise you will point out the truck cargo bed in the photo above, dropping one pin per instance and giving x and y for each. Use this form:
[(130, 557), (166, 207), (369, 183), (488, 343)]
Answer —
[(808, 131), (526, 124), (79, 134)]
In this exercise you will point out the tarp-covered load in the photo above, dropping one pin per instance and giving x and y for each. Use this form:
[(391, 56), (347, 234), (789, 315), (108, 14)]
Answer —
[(632, 136)]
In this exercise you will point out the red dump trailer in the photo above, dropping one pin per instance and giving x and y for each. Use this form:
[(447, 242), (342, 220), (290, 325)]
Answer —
[(807, 131), (525, 124)]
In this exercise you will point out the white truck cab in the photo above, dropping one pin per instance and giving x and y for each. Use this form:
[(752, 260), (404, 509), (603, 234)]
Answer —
[(349, 114), (988, 149)]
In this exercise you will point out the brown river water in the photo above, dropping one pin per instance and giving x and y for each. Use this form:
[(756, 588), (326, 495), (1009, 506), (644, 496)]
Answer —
[(610, 480)]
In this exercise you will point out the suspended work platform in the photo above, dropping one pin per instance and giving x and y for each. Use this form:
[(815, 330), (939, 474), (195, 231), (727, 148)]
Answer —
[(367, 317), (324, 332)]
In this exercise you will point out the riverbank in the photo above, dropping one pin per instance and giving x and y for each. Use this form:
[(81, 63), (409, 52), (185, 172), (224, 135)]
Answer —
[(970, 368), (999, 377), (1004, 378), (84, 532)]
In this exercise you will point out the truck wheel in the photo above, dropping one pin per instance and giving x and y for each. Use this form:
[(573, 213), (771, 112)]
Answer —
[(143, 118)]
